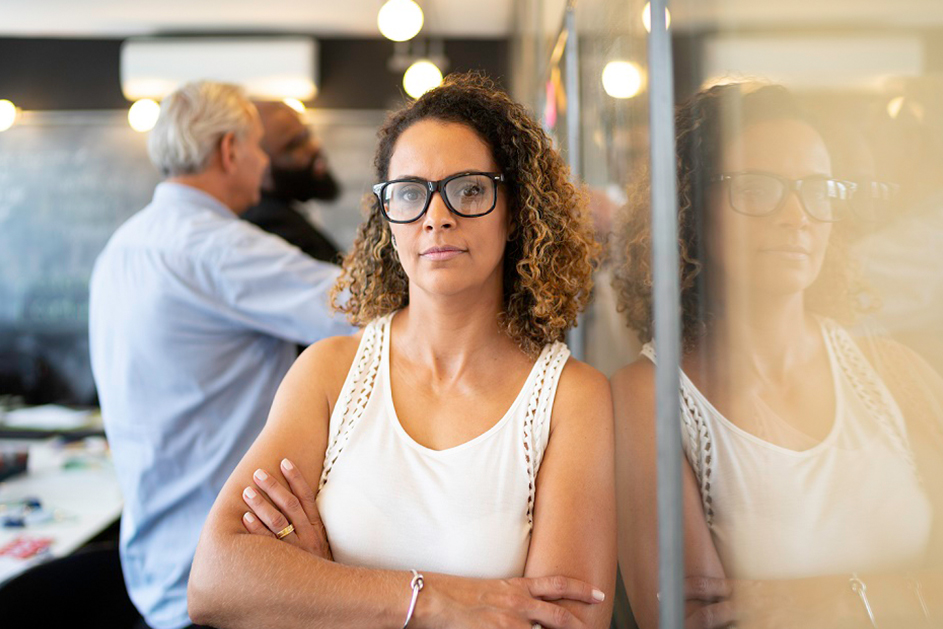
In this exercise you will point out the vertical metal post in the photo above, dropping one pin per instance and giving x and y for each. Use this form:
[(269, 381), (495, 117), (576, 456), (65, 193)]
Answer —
[(577, 337), (664, 205)]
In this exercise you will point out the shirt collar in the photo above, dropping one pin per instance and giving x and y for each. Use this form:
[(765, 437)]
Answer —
[(171, 193)]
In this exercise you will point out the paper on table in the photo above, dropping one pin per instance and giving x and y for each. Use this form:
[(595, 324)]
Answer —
[(47, 417), (10, 567)]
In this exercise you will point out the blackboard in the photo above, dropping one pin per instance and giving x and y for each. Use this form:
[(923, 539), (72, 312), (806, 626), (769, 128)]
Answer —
[(67, 181)]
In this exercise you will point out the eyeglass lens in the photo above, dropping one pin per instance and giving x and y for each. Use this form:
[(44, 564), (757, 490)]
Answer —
[(759, 195), (469, 195)]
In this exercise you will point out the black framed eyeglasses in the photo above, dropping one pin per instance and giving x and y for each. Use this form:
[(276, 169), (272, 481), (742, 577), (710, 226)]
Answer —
[(756, 193), (468, 194)]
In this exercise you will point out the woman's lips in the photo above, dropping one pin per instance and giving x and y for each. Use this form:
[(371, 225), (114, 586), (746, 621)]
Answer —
[(789, 251), (441, 253)]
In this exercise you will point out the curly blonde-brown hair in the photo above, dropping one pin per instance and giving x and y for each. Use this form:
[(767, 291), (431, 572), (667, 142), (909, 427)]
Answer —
[(549, 261), (704, 124)]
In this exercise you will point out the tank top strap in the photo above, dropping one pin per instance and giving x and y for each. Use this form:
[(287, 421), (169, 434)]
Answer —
[(536, 428), (356, 391), (869, 389), (696, 435), (648, 351)]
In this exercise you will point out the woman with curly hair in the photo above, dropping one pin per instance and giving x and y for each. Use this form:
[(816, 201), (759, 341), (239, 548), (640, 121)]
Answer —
[(463, 462), (809, 480)]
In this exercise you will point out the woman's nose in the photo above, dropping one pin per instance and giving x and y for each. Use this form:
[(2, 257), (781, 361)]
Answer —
[(792, 213), (438, 215)]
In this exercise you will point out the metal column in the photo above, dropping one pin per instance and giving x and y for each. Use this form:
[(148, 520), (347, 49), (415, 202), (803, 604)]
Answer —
[(576, 339), (664, 204)]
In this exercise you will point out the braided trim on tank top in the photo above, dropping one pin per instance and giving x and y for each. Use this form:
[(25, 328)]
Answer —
[(697, 433), (550, 363), (869, 389), (355, 398), (702, 446)]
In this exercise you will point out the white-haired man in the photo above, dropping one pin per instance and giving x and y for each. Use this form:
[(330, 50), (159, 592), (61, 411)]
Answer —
[(194, 318)]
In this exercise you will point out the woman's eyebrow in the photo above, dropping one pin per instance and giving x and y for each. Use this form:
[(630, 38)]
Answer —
[(457, 172)]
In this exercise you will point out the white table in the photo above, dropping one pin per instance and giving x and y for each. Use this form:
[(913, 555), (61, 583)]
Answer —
[(87, 499)]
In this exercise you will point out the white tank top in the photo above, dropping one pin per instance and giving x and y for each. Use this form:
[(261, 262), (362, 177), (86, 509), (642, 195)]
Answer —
[(853, 502), (389, 502)]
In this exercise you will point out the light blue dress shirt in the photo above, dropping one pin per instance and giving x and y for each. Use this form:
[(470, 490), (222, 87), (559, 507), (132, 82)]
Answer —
[(194, 320)]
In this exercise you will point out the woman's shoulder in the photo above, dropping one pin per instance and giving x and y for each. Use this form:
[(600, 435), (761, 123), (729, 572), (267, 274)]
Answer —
[(327, 361), (335, 352), (333, 347), (582, 393), (634, 380)]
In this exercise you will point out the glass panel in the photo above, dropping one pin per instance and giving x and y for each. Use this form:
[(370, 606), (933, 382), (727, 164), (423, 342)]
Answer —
[(812, 303)]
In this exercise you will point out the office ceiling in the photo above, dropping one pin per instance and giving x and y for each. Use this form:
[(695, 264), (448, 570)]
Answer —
[(347, 18), (450, 18)]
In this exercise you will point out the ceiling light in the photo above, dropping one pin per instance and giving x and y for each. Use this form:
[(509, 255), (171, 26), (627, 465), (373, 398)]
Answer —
[(400, 20), (647, 17), (295, 104), (7, 114), (893, 107), (421, 77), (622, 79), (143, 115)]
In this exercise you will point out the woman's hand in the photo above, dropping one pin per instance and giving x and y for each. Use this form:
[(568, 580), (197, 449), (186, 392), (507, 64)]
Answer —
[(521, 603), (809, 603), (294, 505)]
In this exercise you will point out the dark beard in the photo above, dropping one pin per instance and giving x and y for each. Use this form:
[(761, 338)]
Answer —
[(302, 184)]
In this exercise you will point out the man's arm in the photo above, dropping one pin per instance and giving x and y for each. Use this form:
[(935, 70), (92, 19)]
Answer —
[(266, 284)]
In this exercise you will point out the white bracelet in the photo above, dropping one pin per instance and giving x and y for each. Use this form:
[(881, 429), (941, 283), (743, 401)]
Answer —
[(416, 585), (859, 588)]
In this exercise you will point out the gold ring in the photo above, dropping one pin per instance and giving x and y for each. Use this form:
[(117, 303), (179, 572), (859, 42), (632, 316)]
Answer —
[(288, 530)]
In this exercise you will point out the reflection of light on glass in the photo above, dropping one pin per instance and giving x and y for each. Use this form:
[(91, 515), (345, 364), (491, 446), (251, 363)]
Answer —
[(7, 114), (647, 17), (399, 20), (894, 107), (421, 77), (143, 115), (295, 104), (622, 79)]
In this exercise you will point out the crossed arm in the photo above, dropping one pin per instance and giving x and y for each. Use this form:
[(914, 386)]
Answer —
[(240, 579), (713, 600)]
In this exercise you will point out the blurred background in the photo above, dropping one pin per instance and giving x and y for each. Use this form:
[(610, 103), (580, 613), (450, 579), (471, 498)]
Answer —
[(80, 84), (73, 167)]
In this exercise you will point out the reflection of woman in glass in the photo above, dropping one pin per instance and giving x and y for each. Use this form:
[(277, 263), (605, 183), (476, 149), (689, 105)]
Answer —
[(452, 435), (809, 479)]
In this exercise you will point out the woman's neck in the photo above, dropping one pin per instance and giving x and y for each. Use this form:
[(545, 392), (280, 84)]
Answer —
[(447, 333), (764, 337)]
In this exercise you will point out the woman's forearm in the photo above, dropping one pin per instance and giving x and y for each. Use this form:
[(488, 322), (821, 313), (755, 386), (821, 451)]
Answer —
[(243, 580), (888, 601)]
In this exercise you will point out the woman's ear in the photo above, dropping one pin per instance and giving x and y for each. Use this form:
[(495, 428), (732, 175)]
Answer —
[(227, 152)]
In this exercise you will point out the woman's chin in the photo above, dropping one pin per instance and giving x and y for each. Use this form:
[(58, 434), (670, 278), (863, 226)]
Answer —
[(445, 285), (784, 284)]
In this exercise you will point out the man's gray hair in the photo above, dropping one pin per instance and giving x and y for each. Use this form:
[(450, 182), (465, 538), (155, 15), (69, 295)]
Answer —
[(193, 120)]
